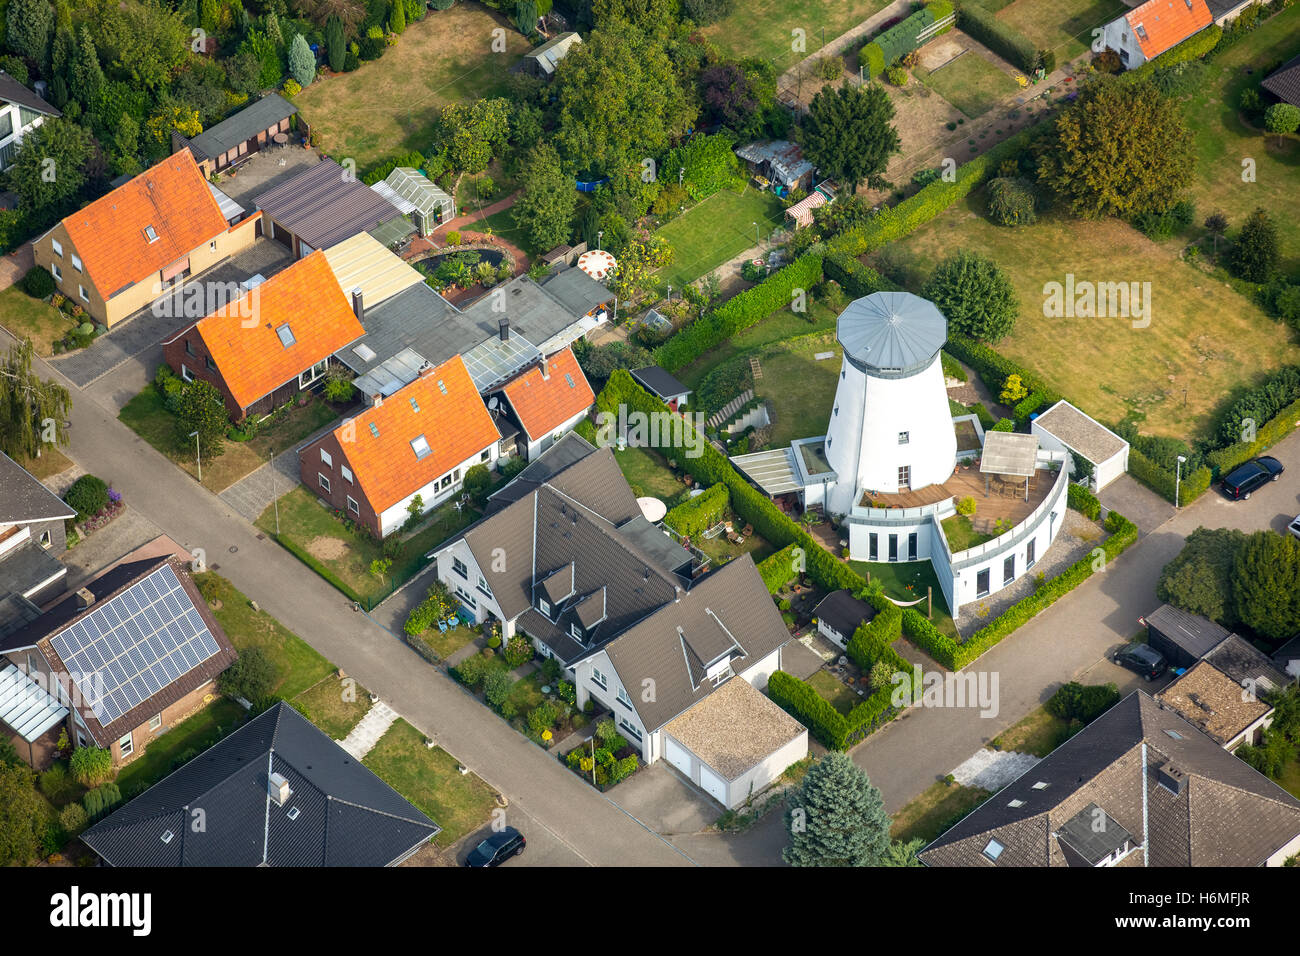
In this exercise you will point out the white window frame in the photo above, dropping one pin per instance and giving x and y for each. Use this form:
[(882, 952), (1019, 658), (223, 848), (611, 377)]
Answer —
[(76, 263), (45, 538), (625, 724), (575, 631), (57, 247), (483, 586), (307, 378), (460, 567), (346, 472), (623, 697), (81, 291), (127, 745), (353, 506), (56, 271), (324, 482), (186, 374), (155, 721), (599, 679), (325, 457)]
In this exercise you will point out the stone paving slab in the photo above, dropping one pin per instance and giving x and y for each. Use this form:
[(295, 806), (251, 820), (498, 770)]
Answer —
[(369, 729), (993, 769)]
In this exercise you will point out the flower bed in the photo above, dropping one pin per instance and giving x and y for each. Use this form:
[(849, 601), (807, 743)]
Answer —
[(114, 508)]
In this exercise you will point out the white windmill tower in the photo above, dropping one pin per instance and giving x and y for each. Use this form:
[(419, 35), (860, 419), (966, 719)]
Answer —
[(891, 429)]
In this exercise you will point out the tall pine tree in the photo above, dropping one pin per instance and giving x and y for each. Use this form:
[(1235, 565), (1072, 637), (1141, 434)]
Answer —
[(86, 75), (302, 62), (836, 817), (397, 17), (30, 29), (336, 47)]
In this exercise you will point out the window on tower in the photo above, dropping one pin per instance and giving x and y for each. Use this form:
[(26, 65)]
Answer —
[(903, 438)]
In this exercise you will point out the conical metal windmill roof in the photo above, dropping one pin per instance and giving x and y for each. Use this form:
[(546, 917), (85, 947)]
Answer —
[(891, 333)]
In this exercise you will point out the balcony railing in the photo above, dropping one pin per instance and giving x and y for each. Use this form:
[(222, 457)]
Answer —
[(964, 559)]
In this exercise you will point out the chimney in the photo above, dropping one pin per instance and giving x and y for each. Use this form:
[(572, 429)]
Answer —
[(358, 305), (377, 399), (546, 369), (85, 598), (426, 371), (1173, 778), (278, 788), (504, 325)]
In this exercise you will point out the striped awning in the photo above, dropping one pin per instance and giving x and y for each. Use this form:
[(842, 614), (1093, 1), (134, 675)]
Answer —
[(26, 706)]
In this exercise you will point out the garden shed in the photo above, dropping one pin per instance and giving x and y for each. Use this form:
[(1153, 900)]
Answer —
[(419, 198), (1181, 637), (1064, 428)]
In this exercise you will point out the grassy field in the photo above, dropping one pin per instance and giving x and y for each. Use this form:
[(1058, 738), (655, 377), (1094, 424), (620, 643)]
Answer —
[(935, 811), (428, 778), (970, 83), (780, 325), (1037, 733), (718, 229), (801, 390), (1064, 26), (34, 318), (649, 475), (299, 665), (1106, 366), (147, 416), (198, 732), (52, 462), (304, 523), (1223, 139), (391, 105), (762, 28)]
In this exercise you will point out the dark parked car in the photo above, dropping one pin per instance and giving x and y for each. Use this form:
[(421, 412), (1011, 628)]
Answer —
[(1142, 659), (1242, 480), (497, 848)]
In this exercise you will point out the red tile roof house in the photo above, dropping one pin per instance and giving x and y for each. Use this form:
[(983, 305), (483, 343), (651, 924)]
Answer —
[(126, 249), (547, 400), (276, 341), (1145, 32), (418, 441)]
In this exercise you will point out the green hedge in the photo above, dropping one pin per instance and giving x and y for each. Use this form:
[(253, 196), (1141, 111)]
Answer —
[(1193, 48), (1122, 534), (739, 313), (777, 570), (855, 278), (994, 369), (1031, 403), (999, 36), (921, 632), (901, 39), (380, 172), (1083, 501), (1223, 460), (805, 705), (698, 514), (1165, 482)]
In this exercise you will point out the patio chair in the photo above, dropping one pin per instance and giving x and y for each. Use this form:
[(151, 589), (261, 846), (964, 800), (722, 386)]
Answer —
[(442, 626)]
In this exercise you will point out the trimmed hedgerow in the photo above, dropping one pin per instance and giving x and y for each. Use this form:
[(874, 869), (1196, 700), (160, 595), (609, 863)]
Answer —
[(739, 313), (698, 514), (1083, 501), (779, 569), (1223, 460), (1165, 482), (999, 36), (856, 279)]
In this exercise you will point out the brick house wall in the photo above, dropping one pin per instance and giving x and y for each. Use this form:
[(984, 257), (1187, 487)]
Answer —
[(171, 715), (311, 466), (188, 350)]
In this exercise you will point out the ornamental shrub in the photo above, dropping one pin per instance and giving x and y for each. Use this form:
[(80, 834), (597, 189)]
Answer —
[(100, 801), (1083, 501), (471, 671), (1011, 201), (779, 569), (88, 496), (37, 282), (966, 505), (91, 765), (1084, 703), (518, 651), (496, 688), (252, 676)]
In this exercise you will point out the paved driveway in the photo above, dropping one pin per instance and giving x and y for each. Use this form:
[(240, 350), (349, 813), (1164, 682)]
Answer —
[(143, 333)]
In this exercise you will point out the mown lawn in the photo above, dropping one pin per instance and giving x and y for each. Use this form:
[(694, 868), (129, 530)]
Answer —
[(306, 525), (34, 318), (908, 581), (298, 664), (970, 83), (148, 417), (392, 105), (717, 230), (197, 733), (834, 692), (1064, 26), (458, 803), (1224, 139), (649, 475), (335, 705), (763, 28), (961, 534), (1202, 336), (935, 811), (801, 390), (1037, 733), (778, 326), (52, 462)]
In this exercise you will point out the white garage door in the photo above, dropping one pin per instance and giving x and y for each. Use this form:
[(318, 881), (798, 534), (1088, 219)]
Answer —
[(678, 756), (713, 785)]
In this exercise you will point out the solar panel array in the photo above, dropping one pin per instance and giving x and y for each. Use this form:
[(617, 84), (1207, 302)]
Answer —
[(137, 643)]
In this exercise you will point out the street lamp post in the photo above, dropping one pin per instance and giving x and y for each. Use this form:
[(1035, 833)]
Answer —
[(600, 234), (198, 454), (681, 173), (1178, 478), (757, 240)]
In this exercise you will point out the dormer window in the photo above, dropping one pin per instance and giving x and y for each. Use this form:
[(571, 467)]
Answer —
[(286, 335), (421, 447), (544, 607), (151, 234), (575, 631)]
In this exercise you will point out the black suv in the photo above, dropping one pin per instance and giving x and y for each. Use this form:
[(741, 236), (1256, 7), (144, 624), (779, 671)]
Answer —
[(1242, 480), (497, 848), (1142, 659)]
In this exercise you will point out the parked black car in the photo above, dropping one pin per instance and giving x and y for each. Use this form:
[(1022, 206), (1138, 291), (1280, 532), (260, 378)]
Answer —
[(1242, 480), (1142, 659), (497, 848)]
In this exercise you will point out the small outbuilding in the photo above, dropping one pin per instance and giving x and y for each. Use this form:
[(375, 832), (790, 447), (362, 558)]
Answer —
[(660, 383), (541, 61), (1284, 83), (1181, 637), (237, 137), (418, 197), (1064, 428), (840, 614)]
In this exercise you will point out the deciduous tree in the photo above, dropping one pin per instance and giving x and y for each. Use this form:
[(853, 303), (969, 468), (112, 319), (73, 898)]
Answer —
[(30, 28), (836, 817), (22, 815), (849, 134), (1199, 579), (1266, 578), (32, 410), (201, 409), (974, 295), (547, 198)]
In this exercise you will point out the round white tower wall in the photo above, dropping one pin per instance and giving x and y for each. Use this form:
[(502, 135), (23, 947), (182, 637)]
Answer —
[(863, 439)]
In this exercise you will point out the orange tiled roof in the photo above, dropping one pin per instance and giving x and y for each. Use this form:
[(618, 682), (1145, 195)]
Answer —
[(1166, 23), (244, 339), (442, 405), (109, 234), (543, 405)]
